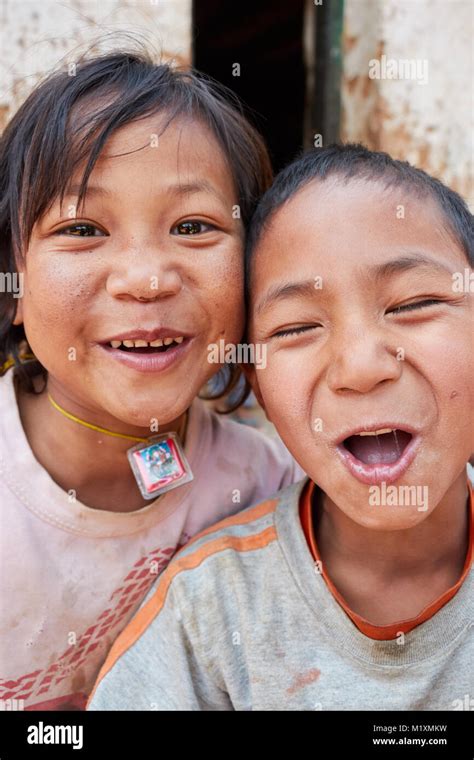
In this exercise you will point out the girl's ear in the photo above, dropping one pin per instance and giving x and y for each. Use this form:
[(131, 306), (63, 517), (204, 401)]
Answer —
[(18, 319), (20, 276), (252, 376)]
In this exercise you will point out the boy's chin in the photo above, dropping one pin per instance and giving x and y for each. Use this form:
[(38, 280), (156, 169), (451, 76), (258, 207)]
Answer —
[(383, 507), (385, 517)]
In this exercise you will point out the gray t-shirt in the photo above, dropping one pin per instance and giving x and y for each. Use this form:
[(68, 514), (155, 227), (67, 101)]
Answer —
[(241, 620)]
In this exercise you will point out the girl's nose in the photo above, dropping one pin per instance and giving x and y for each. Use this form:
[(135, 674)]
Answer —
[(144, 278)]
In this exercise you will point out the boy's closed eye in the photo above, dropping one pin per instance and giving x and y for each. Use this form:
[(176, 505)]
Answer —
[(297, 330), (412, 306), (421, 303)]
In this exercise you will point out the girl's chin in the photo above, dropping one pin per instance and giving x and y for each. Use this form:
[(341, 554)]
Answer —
[(153, 424), (147, 418)]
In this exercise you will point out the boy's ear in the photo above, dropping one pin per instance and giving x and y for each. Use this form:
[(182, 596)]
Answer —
[(251, 374)]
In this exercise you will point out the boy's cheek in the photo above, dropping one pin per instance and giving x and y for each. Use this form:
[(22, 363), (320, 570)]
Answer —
[(289, 407), (448, 370), (252, 376)]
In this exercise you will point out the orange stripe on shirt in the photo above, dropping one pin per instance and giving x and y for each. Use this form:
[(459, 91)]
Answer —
[(241, 518), (145, 616)]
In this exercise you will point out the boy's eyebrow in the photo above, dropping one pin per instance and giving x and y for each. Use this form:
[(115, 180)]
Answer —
[(377, 272), (287, 289), (406, 262)]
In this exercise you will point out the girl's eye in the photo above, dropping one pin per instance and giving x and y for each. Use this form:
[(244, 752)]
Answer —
[(293, 331), (415, 305), (191, 227), (81, 230)]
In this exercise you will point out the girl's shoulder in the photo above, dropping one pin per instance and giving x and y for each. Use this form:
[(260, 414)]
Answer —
[(8, 401), (239, 447)]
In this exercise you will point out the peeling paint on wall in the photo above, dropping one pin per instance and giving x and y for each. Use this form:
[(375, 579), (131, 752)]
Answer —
[(431, 124), (428, 124), (38, 36)]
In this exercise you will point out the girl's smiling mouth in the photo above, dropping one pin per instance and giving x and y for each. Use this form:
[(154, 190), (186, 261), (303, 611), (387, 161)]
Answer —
[(148, 350), (379, 453)]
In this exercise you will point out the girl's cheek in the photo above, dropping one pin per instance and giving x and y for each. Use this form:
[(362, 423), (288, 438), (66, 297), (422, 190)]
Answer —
[(223, 287), (55, 303), (54, 295)]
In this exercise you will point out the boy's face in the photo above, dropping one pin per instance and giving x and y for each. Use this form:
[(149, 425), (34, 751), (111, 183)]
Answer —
[(154, 254), (381, 341)]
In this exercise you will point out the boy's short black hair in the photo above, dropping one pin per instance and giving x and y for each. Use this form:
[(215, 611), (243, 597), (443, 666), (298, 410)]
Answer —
[(65, 123), (354, 161)]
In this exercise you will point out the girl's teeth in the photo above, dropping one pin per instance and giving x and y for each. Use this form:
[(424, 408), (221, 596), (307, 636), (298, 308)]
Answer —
[(145, 344)]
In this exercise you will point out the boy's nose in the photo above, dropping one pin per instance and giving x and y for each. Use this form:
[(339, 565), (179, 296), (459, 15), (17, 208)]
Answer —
[(360, 360)]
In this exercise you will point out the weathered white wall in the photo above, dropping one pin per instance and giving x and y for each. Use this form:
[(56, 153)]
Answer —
[(432, 124), (35, 35)]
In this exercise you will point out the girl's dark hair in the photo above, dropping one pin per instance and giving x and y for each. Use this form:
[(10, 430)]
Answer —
[(354, 161), (65, 123)]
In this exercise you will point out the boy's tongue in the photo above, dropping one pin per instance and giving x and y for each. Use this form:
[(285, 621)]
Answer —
[(378, 449)]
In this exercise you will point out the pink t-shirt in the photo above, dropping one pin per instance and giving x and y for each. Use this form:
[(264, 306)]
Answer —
[(72, 576)]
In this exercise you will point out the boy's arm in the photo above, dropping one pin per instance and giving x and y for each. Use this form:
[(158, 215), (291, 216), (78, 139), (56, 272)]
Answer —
[(161, 669)]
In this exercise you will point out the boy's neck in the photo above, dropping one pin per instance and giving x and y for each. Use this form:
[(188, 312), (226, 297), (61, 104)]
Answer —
[(93, 465), (388, 576)]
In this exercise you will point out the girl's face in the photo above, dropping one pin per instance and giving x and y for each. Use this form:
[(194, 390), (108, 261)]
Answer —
[(154, 254)]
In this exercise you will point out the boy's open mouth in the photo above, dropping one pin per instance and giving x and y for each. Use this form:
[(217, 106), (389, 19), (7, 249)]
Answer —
[(383, 446), (380, 454)]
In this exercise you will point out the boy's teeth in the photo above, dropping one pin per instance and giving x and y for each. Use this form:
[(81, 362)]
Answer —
[(378, 447), (128, 343), (168, 341), (156, 343), (178, 340), (115, 343), (382, 431), (140, 343)]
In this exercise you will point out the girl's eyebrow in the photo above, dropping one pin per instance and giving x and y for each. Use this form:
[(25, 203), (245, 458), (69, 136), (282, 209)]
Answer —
[(73, 190), (189, 188), (179, 188)]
